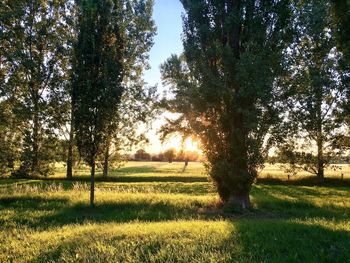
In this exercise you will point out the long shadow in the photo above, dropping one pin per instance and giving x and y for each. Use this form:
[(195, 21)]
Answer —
[(179, 179), (138, 169), (57, 212), (306, 181), (134, 179), (120, 179), (248, 241), (267, 200), (32, 203), (289, 241)]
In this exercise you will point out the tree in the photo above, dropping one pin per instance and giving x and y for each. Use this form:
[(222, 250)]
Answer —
[(224, 86), (137, 102), (9, 138), (170, 154), (341, 20), (33, 63), (316, 90), (98, 74), (142, 155)]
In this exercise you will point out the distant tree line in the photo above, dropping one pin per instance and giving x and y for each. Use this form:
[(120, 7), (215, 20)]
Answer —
[(169, 155)]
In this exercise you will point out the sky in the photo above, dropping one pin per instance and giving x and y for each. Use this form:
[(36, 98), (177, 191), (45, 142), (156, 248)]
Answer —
[(167, 17)]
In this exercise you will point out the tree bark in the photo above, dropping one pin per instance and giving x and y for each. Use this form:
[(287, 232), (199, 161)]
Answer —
[(35, 142), (106, 160), (92, 185), (320, 162), (319, 138), (242, 202), (69, 172)]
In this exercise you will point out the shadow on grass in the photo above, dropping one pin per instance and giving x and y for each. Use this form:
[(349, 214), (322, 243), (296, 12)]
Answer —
[(44, 213), (248, 241), (294, 203), (179, 179), (32, 203), (135, 179), (138, 169), (306, 181), (288, 241), (57, 212)]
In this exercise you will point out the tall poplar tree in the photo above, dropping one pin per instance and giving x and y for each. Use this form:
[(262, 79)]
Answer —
[(137, 103), (224, 86), (97, 76)]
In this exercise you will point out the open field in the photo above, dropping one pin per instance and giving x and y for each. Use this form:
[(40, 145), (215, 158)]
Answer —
[(151, 212)]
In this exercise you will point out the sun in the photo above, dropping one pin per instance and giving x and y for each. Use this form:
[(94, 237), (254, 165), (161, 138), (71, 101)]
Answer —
[(178, 144)]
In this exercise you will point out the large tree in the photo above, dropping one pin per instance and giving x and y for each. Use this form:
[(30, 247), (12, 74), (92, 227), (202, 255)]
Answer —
[(137, 103), (98, 76), (341, 20), (33, 63), (224, 86), (316, 88)]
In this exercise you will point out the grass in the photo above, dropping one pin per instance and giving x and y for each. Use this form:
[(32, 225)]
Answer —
[(151, 212)]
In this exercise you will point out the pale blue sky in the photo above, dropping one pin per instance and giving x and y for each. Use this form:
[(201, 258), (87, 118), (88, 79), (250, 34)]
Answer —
[(167, 16)]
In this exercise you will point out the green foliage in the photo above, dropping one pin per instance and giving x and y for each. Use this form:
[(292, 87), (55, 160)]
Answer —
[(341, 21), (9, 138), (315, 90), (98, 74), (340, 25), (34, 62), (137, 106), (224, 86)]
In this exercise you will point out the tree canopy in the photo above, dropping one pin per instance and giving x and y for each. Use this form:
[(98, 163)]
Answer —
[(225, 88)]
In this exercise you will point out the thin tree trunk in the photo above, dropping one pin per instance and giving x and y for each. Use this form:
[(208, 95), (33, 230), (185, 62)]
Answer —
[(320, 157), (106, 160), (35, 142), (92, 185), (320, 162), (185, 166), (69, 172)]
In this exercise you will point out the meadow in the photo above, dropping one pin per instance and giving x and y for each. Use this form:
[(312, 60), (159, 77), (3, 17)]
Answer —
[(152, 212)]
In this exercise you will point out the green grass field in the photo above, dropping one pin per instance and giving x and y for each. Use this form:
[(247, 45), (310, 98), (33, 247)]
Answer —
[(151, 212)]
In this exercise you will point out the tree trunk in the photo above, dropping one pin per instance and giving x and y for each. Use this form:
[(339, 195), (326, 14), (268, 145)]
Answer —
[(69, 172), (185, 166), (106, 160), (319, 139), (35, 141), (92, 185), (320, 163), (242, 202)]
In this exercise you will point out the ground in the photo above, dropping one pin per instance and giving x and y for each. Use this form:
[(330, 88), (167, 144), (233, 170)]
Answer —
[(151, 212)]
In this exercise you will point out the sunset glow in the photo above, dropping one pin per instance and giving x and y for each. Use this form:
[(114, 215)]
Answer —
[(176, 142)]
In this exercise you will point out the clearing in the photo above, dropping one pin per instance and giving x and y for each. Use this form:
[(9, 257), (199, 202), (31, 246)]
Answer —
[(151, 212)]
